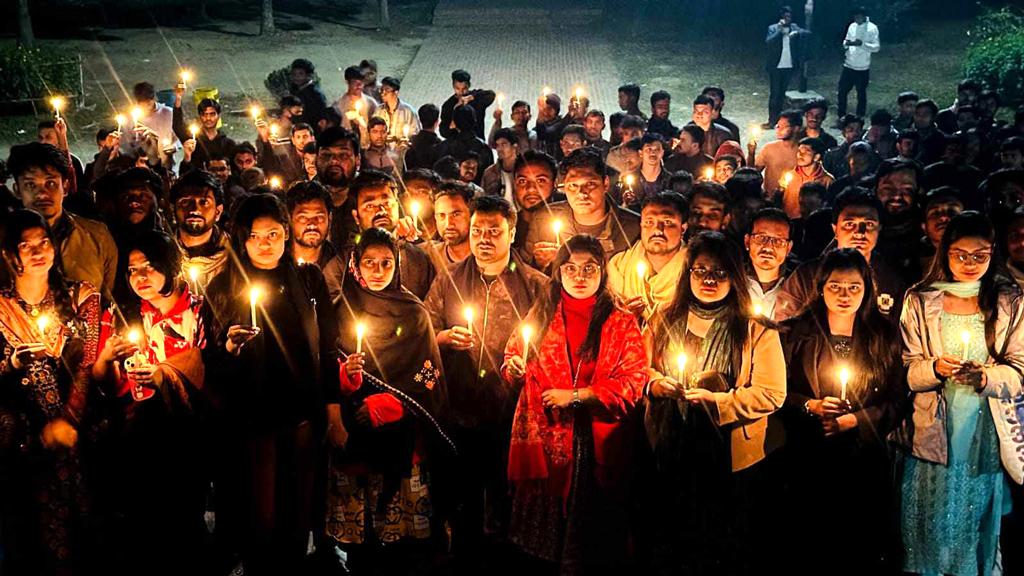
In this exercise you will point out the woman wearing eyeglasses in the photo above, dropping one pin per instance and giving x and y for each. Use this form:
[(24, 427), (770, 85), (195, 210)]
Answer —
[(571, 444), (717, 373), (962, 345), (844, 395)]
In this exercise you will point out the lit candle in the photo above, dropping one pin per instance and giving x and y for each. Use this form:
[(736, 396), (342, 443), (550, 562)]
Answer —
[(358, 106), (275, 182), (254, 297), (556, 226), (275, 129), (193, 275), (193, 129), (545, 91), (755, 132), (255, 112), (136, 116), (758, 309), (186, 77), (42, 323), (641, 271), (58, 104), (120, 119), (709, 173), (579, 93), (468, 315), (527, 332), (414, 209), (405, 132), (630, 180), (787, 178), (501, 99), (360, 334), (844, 379), (965, 337), (134, 336), (681, 369)]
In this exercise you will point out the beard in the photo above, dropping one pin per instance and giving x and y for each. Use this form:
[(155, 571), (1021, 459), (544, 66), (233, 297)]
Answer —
[(330, 177), (194, 228)]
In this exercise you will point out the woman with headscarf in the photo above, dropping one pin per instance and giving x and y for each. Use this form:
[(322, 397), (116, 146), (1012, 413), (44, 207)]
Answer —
[(49, 329), (392, 400), (569, 458)]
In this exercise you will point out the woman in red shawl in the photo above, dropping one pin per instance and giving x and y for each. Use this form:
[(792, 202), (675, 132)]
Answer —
[(569, 456)]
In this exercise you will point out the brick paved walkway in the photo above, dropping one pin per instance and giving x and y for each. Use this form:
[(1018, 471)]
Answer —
[(515, 48)]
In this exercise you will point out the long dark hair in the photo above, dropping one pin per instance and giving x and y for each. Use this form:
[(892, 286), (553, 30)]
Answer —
[(996, 281), (251, 208), (738, 308), (873, 337), (16, 224), (545, 308)]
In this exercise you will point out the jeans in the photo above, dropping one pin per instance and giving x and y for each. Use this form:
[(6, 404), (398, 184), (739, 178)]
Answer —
[(849, 79), (779, 78)]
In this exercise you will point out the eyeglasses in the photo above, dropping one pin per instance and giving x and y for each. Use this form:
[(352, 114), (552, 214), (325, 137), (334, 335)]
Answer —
[(837, 287), (574, 270), (717, 275), (975, 257), (767, 240), (486, 232)]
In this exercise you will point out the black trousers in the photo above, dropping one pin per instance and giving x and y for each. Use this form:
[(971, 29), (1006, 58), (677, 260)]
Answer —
[(848, 80), (779, 83)]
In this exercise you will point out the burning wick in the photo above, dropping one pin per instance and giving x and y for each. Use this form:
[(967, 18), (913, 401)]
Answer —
[(136, 115), (193, 273), (844, 379), (965, 337), (254, 297), (275, 182), (274, 130), (468, 315), (42, 323), (120, 119), (255, 112), (58, 104), (186, 77), (405, 131), (556, 226), (681, 367), (630, 179), (755, 132), (545, 91), (787, 178), (709, 173), (641, 271), (527, 332), (758, 310), (360, 334), (193, 129)]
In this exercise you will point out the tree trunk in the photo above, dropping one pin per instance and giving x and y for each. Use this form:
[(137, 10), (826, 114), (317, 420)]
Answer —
[(385, 16), (267, 21), (26, 37)]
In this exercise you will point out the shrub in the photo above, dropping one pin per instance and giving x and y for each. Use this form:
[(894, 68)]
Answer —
[(36, 73), (278, 82), (996, 53)]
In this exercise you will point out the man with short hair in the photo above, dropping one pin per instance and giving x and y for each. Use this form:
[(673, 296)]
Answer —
[(47, 133), (835, 158), (881, 135), (651, 178), (593, 126), (768, 244), (398, 115), (378, 155), (463, 141), (551, 122), (933, 141), (210, 140), (907, 144), (198, 202), (463, 96), (785, 54), (304, 86), (659, 123), (1011, 153), (939, 207), (659, 255), (966, 95), (370, 85), (420, 187), (629, 100), (714, 134), (860, 43), (717, 95), (618, 157), (375, 195), (521, 115), (451, 219), (284, 160), (573, 138), (309, 209), (709, 208), (535, 188), (498, 179), (156, 122), (778, 157), (291, 112), (815, 111), (422, 150), (41, 175), (905, 102), (856, 222), (586, 211), (689, 153), (808, 169), (897, 185), (354, 106), (500, 289), (337, 163)]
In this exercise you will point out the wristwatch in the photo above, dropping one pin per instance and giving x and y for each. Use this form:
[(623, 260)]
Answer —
[(575, 397)]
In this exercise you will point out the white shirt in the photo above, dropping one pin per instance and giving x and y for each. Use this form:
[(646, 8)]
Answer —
[(786, 60), (859, 57)]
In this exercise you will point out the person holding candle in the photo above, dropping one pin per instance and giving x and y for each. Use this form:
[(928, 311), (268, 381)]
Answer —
[(836, 435), (497, 287), (464, 95), (274, 384), (464, 140), (354, 106), (779, 156), (652, 176), (198, 203), (45, 386), (377, 154), (393, 400), (284, 160), (158, 384), (210, 140), (304, 85), (954, 491), (659, 254), (571, 451), (808, 169), (587, 210), (709, 428), (498, 178), (399, 116), (154, 121), (526, 138), (688, 152), (536, 176)]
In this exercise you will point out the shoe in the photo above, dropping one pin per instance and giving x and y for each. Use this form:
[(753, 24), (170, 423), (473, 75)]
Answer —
[(768, 126)]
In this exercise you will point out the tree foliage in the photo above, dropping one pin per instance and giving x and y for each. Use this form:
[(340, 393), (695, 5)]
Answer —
[(996, 53)]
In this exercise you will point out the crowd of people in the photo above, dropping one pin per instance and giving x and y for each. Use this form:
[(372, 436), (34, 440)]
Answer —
[(380, 340)]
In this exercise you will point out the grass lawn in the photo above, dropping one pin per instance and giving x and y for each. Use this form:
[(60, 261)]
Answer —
[(929, 63)]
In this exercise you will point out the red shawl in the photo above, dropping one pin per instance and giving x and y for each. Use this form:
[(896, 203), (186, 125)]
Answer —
[(541, 448)]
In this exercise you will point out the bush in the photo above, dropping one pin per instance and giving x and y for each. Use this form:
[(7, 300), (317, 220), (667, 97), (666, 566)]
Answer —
[(279, 81), (36, 73), (996, 54)]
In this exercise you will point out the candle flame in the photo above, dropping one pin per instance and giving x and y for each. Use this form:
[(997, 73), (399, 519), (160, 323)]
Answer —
[(414, 209), (134, 336), (186, 75), (42, 323), (254, 295), (120, 119), (579, 92), (641, 270), (527, 332), (965, 337), (758, 310), (136, 113), (193, 273), (630, 179), (274, 129), (755, 130), (405, 131), (709, 173), (844, 375), (557, 227), (467, 313), (255, 111), (193, 129), (681, 362), (58, 103), (787, 178), (275, 182), (545, 91), (359, 105), (360, 330)]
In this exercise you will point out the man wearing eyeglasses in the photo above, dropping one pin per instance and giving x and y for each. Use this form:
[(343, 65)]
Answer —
[(587, 210), (768, 245), (856, 221), (396, 113), (499, 288), (198, 201), (375, 197)]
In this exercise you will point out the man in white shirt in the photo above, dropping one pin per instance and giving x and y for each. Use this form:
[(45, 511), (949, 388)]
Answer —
[(860, 43), (154, 116), (354, 106), (784, 42)]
